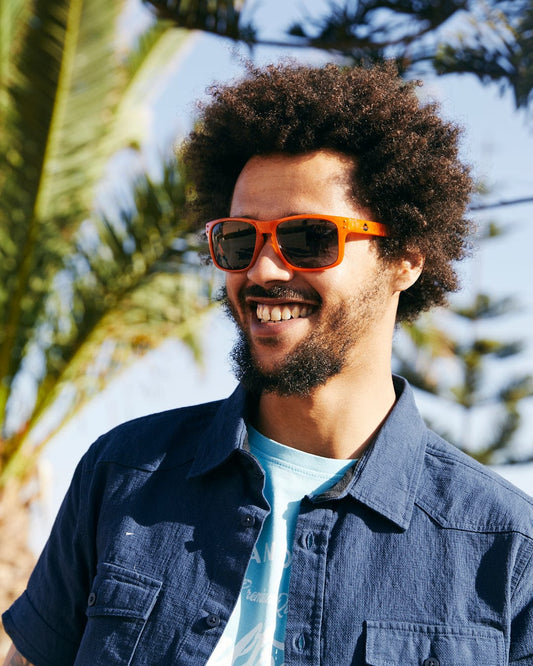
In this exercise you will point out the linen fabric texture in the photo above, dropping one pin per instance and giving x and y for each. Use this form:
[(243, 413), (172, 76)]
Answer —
[(417, 555)]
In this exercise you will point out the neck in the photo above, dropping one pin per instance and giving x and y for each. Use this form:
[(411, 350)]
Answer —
[(338, 420)]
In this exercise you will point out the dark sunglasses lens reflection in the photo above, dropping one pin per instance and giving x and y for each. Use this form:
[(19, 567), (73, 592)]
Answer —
[(309, 243), (233, 244), (304, 243)]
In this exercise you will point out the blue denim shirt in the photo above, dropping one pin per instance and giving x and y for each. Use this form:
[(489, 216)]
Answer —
[(418, 556)]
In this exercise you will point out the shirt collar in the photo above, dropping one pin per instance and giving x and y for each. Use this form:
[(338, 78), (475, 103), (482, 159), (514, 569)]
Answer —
[(225, 434), (387, 475)]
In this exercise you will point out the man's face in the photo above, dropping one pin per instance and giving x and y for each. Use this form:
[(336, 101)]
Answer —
[(299, 329)]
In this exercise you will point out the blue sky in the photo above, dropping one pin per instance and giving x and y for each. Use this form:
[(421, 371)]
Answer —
[(498, 143)]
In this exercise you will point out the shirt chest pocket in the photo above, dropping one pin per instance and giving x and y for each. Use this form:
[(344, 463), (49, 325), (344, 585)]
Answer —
[(409, 644), (118, 606)]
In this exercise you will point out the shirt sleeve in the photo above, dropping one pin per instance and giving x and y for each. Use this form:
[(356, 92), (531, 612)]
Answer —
[(46, 623)]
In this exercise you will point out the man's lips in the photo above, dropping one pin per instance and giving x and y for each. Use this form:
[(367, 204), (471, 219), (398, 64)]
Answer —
[(279, 303)]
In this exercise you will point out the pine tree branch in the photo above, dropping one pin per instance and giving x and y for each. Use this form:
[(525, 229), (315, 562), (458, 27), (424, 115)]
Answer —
[(500, 204)]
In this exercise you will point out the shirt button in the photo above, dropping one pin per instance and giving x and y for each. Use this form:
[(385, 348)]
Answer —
[(212, 621), (247, 520), (92, 599), (432, 661), (307, 540), (299, 643)]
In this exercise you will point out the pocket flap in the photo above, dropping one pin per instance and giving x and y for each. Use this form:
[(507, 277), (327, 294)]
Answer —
[(392, 643), (122, 593)]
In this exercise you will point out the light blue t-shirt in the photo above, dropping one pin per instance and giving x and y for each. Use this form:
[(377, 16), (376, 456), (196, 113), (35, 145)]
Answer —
[(255, 633)]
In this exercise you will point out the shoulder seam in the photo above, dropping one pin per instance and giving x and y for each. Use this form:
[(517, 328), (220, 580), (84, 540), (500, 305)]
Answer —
[(484, 529), (479, 470)]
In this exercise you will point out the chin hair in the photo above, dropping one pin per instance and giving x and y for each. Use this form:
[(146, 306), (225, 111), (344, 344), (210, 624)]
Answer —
[(302, 372)]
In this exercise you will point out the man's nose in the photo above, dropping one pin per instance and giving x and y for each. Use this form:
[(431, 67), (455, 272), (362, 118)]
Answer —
[(269, 267)]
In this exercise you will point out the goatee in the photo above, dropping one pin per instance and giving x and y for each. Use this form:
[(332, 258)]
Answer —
[(316, 359)]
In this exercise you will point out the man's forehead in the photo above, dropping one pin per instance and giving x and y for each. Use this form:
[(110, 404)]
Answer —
[(291, 184)]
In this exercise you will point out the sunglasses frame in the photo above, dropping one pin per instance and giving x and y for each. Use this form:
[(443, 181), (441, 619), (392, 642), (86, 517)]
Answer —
[(345, 226)]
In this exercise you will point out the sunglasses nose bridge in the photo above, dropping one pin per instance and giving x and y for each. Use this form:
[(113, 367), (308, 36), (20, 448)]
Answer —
[(262, 238), (269, 264), (264, 235)]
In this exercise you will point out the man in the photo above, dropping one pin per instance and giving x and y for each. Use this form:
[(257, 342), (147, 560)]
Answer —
[(311, 517)]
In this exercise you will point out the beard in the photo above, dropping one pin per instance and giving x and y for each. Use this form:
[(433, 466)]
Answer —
[(323, 354)]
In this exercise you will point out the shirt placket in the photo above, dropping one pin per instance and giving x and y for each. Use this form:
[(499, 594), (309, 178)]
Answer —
[(307, 584), (234, 554)]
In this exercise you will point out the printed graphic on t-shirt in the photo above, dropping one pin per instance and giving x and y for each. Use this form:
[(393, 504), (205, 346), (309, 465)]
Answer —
[(255, 632), (251, 650)]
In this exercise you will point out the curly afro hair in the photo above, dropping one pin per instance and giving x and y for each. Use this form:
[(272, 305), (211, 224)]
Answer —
[(408, 172)]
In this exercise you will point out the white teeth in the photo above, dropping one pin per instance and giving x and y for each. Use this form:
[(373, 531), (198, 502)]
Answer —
[(279, 313), (275, 313)]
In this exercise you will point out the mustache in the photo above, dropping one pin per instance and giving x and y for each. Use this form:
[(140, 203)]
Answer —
[(256, 291), (276, 291), (279, 291)]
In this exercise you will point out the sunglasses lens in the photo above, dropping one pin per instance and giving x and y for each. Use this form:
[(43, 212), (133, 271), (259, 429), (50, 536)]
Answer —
[(233, 244), (309, 243)]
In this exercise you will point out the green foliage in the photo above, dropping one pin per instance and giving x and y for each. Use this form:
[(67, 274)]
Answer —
[(73, 276), (497, 47), (492, 39), (221, 17)]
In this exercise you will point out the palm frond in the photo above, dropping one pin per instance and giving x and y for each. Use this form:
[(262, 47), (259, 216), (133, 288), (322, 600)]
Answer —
[(12, 18), (53, 98), (133, 284), (82, 110), (153, 53)]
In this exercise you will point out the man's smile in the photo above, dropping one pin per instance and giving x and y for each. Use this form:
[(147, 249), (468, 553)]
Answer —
[(278, 304), (267, 312)]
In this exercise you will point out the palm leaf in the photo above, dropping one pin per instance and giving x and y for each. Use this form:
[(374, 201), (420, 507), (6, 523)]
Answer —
[(60, 142), (46, 157), (133, 286), (129, 300), (158, 47), (12, 18), (71, 104)]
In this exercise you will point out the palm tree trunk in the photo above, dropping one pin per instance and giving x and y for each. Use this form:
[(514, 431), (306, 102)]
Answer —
[(16, 558)]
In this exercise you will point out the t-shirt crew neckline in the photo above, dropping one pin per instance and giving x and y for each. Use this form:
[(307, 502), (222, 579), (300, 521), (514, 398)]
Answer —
[(326, 471)]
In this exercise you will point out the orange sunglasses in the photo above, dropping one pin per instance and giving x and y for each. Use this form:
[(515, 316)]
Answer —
[(303, 242)]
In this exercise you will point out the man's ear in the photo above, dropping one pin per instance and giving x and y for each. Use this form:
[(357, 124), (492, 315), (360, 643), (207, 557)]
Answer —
[(408, 270)]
